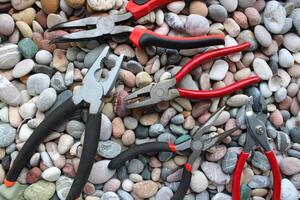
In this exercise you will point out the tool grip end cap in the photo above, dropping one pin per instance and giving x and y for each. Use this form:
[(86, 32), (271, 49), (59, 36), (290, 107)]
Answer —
[(8, 183)]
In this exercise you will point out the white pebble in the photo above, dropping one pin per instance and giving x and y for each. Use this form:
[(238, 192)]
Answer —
[(218, 70), (262, 69)]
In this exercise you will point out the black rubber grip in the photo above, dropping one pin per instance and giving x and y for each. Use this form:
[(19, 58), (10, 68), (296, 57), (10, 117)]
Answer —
[(184, 185), (133, 152), (91, 139), (151, 40), (59, 115)]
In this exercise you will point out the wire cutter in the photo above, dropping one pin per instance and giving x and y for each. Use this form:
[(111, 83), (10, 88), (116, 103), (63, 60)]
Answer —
[(90, 92), (106, 26), (256, 135), (166, 90), (197, 145)]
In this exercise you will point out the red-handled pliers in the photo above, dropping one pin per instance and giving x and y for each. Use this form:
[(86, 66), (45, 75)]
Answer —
[(106, 26), (166, 90), (256, 134)]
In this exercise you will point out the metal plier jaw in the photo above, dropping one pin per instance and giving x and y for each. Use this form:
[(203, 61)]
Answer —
[(152, 94), (93, 90), (257, 132)]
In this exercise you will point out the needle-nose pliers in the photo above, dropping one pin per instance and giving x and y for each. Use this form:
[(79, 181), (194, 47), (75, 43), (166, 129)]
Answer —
[(166, 90), (90, 92), (106, 26), (197, 145), (256, 135)]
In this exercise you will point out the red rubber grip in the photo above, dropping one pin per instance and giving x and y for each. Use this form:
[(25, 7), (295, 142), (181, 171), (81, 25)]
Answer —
[(139, 11), (209, 55), (210, 94), (143, 37), (172, 147), (276, 174), (236, 181), (188, 167)]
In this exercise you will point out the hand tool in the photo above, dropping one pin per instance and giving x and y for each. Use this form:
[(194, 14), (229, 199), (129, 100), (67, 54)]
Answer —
[(106, 27), (256, 135), (197, 145), (166, 90), (90, 92)]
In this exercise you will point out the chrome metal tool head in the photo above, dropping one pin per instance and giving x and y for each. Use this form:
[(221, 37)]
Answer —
[(92, 89)]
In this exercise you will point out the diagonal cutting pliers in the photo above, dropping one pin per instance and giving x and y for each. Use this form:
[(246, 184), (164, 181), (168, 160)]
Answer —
[(256, 135), (166, 90), (197, 145), (90, 92), (106, 26)]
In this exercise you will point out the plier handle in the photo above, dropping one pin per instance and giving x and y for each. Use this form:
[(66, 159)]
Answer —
[(167, 90), (108, 26), (256, 135), (91, 92)]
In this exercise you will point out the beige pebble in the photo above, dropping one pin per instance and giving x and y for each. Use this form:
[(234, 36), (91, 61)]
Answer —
[(49, 6), (145, 189), (241, 19), (253, 16), (128, 138), (242, 74), (126, 50), (149, 119), (142, 79), (26, 16), (199, 8), (24, 29), (75, 3), (118, 127), (231, 27), (60, 61), (14, 116), (141, 56), (127, 77)]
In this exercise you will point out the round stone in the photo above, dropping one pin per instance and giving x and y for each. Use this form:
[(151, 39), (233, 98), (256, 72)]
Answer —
[(262, 36), (108, 149), (46, 99), (43, 57), (37, 83), (23, 68), (217, 13), (196, 25), (7, 135), (7, 24), (199, 182), (51, 174), (274, 17)]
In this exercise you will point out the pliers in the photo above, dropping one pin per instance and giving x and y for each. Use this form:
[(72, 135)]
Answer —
[(106, 26), (256, 135), (197, 145), (90, 92), (166, 90)]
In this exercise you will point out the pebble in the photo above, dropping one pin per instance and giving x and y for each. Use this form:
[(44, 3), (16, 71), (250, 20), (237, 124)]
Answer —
[(285, 58), (8, 24), (51, 174), (262, 69), (27, 110), (106, 128), (259, 181), (290, 166), (36, 83), (231, 27), (229, 162), (295, 135), (217, 13), (75, 128), (230, 6), (145, 189), (280, 95), (174, 21), (164, 193), (253, 16), (33, 175), (110, 196), (9, 56), (108, 149), (199, 182), (248, 36), (218, 71), (176, 6), (262, 36), (221, 196), (22, 68), (21, 5), (101, 5), (112, 185), (46, 99), (65, 143), (27, 48), (7, 135), (199, 8), (63, 185), (156, 129), (291, 41), (274, 17), (135, 166), (41, 190), (58, 160), (237, 100), (99, 178), (196, 25), (142, 79), (16, 191), (214, 173), (43, 57), (288, 190), (223, 118), (260, 161), (49, 6)]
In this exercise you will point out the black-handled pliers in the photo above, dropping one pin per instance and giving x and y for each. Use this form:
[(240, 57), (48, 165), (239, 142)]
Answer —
[(90, 92), (106, 26), (197, 145)]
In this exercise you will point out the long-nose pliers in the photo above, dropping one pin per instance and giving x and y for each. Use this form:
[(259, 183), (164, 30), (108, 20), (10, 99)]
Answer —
[(106, 26), (256, 136), (91, 92), (166, 90), (197, 145)]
